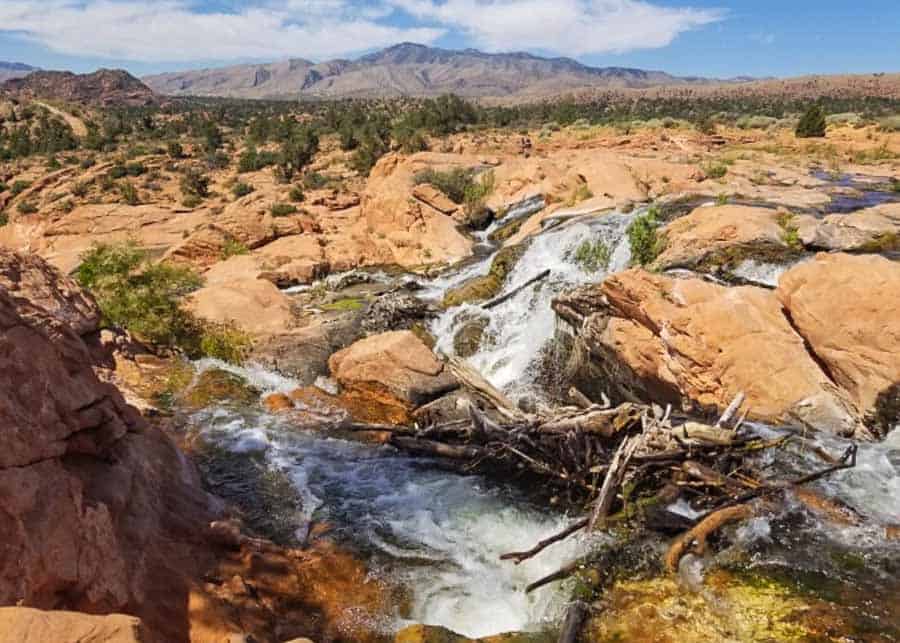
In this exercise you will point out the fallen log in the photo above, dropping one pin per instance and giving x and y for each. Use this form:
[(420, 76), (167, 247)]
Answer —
[(576, 614), (515, 291)]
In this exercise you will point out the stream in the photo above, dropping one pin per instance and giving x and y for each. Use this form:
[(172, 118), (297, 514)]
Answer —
[(439, 534)]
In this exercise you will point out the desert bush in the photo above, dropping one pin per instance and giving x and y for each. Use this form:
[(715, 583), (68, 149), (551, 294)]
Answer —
[(580, 193), (18, 187), (643, 237), (145, 297), (715, 170), (129, 193), (232, 248), (756, 122), (118, 171), (175, 150), (26, 207), (240, 189), (194, 186), (296, 194), (282, 209), (812, 123), (81, 189), (135, 169)]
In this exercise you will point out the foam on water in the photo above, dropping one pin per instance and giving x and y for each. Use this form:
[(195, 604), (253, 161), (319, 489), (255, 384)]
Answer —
[(520, 329), (438, 533)]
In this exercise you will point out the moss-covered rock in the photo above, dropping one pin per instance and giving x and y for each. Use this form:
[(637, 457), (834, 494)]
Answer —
[(218, 386), (486, 286), (468, 338), (434, 634)]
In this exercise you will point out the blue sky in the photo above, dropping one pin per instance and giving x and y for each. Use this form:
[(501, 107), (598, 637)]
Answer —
[(721, 38)]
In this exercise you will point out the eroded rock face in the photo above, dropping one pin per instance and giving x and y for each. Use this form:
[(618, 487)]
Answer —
[(722, 236), (99, 508), (847, 307), (697, 344), (395, 367)]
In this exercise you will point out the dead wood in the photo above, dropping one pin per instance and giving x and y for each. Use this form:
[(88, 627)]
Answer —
[(576, 614), (695, 539), (515, 291)]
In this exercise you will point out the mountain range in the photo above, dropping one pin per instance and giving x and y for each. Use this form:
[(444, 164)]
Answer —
[(409, 69), (9, 70)]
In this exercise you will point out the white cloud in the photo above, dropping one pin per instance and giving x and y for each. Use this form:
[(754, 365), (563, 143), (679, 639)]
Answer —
[(571, 27), (182, 31), (174, 30)]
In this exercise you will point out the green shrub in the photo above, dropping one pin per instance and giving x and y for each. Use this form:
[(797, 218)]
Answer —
[(225, 342), (88, 163), (18, 187), (643, 237), (194, 185), (475, 194), (232, 248), (27, 207), (135, 169), (3, 186), (715, 170), (722, 199), (81, 189), (812, 123), (139, 295), (118, 171), (129, 193), (282, 209), (592, 256), (240, 189), (175, 150), (315, 181), (191, 200), (296, 194), (895, 185), (453, 183), (789, 231), (581, 193)]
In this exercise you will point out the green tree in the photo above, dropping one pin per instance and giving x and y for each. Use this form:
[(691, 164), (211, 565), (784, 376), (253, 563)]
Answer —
[(812, 124)]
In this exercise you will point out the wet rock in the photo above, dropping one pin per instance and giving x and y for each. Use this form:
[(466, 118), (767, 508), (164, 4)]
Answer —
[(847, 309), (872, 230), (395, 311), (468, 338), (712, 238), (697, 344), (486, 286), (303, 353), (451, 407), (25, 625), (436, 634), (219, 386), (394, 367), (277, 403)]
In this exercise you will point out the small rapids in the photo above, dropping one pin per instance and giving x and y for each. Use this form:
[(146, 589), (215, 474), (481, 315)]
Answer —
[(437, 533), (440, 534), (519, 330)]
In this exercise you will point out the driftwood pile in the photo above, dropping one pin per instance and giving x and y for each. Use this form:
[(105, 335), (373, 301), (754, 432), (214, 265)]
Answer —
[(622, 464)]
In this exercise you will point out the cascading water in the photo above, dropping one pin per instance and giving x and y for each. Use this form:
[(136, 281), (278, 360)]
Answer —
[(440, 534), (519, 329), (437, 533)]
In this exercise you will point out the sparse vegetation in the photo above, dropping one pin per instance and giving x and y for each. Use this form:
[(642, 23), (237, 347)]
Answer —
[(296, 194), (580, 193), (644, 239), (592, 256), (453, 183), (715, 170), (241, 189), (812, 124), (26, 207), (145, 297), (232, 248), (282, 209)]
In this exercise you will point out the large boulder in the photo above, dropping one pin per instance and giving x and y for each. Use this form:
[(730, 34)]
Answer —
[(256, 306), (25, 625), (723, 236), (847, 309), (100, 510), (873, 229), (395, 368), (697, 344)]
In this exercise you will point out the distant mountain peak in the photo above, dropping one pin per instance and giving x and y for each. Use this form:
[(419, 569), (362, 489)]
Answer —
[(410, 69)]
